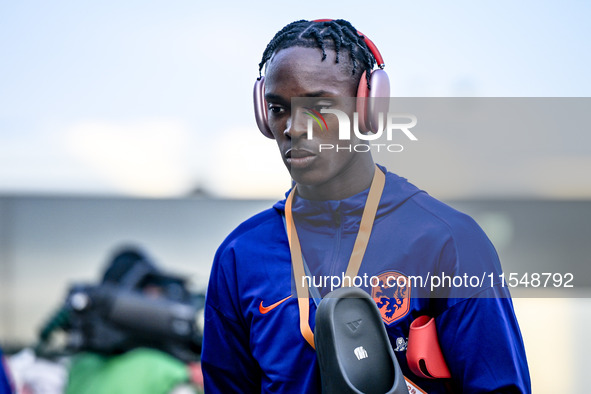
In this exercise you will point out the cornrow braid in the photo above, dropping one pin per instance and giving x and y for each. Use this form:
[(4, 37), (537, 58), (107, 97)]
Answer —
[(337, 34)]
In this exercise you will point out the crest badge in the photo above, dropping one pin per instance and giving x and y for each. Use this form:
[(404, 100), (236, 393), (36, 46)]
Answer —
[(392, 296)]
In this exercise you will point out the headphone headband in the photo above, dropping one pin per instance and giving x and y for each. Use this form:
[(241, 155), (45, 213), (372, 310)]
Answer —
[(372, 47)]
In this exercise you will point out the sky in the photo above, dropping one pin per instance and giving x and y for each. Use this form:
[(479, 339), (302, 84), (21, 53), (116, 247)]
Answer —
[(154, 98)]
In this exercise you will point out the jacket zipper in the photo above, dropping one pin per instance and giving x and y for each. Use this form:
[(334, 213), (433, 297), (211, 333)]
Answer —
[(338, 238)]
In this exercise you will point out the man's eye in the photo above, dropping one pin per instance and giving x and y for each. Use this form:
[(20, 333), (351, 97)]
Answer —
[(275, 109)]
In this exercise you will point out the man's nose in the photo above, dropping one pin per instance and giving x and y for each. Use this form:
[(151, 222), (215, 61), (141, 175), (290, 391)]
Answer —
[(297, 125)]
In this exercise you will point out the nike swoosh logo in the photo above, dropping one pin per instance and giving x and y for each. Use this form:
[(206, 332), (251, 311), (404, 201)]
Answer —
[(267, 309)]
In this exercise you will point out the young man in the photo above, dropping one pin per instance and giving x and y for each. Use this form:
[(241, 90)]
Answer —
[(257, 336)]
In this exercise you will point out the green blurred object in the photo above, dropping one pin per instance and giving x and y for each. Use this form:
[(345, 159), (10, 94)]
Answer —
[(139, 371)]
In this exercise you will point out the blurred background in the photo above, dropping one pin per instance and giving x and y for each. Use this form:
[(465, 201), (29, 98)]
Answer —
[(131, 122)]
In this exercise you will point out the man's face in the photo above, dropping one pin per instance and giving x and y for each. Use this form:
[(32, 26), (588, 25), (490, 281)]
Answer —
[(300, 72)]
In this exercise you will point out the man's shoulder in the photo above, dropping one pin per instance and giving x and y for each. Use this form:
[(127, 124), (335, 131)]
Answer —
[(432, 219), (424, 208), (254, 228), (442, 212)]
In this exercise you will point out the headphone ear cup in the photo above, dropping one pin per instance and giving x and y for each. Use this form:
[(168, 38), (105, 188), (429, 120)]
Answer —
[(362, 93), (260, 107), (368, 109)]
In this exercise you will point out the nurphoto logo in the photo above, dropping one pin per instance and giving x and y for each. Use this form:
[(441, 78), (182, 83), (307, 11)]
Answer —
[(387, 126)]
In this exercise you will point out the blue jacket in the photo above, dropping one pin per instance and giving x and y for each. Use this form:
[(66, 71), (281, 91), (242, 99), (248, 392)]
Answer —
[(248, 351), (5, 386)]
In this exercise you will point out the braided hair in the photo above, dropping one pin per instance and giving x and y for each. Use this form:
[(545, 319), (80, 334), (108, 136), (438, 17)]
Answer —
[(338, 34)]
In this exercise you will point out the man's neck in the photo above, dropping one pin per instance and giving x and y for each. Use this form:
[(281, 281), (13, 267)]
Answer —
[(353, 181)]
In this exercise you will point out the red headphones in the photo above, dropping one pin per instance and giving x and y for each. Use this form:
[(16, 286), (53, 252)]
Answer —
[(368, 110)]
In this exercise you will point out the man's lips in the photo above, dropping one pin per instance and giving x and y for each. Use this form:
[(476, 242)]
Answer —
[(298, 153), (299, 158)]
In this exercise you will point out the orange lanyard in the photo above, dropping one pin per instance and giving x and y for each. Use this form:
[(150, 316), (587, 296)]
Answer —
[(367, 220)]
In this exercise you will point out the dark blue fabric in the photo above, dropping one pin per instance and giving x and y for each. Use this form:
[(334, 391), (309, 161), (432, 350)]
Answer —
[(247, 351), (5, 387)]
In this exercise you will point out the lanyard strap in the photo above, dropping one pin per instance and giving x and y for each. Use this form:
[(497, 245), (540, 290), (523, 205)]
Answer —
[(367, 220)]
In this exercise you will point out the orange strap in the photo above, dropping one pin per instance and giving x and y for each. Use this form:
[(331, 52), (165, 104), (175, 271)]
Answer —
[(367, 220)]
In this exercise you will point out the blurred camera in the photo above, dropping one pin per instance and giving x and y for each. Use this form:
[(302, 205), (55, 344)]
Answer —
[(135, 305)]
